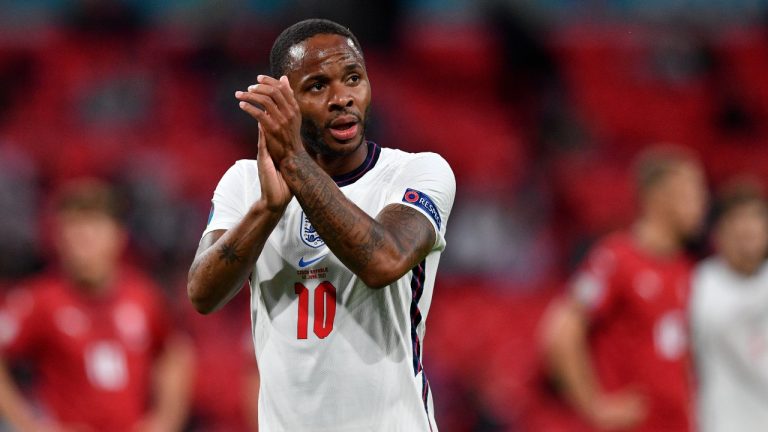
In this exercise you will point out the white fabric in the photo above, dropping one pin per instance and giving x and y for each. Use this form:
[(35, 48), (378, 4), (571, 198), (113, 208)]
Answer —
[(730, 328), (361, 376)]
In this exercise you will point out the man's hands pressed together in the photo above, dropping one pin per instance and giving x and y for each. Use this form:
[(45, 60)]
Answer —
[(274, 191), (279, 116)]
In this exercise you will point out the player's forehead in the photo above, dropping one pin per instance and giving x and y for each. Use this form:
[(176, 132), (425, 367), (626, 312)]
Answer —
[(683, 173), (748, 211), (320, 51)]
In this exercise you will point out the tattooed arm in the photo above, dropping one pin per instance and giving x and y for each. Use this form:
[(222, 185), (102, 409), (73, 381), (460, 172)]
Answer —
[(225, 258), (379, 250)]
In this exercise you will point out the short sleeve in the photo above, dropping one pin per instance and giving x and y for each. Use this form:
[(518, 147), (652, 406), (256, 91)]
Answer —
[(595, 284), (22, 323), (427, 184), (229, 203)]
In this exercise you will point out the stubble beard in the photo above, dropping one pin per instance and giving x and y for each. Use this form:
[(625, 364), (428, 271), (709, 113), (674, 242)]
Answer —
[(312, 136)]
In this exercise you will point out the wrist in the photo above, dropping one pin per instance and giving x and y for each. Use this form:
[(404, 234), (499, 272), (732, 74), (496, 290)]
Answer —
[(290, 163), (261, 208)]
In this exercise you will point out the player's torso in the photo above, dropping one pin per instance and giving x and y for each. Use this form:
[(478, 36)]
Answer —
[(729, 301), (645, 344), (97, 349), (324, 339), (731, 323), (295, 259)]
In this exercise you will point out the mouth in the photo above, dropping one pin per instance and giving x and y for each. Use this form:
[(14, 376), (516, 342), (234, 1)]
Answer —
[(344, 128)]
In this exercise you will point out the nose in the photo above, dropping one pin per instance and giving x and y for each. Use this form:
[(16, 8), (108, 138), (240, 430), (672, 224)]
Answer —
[(340, 99)]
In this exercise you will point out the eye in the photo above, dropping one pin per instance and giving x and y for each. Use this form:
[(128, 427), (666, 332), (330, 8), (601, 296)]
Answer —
[(316, 86), (354, 79)]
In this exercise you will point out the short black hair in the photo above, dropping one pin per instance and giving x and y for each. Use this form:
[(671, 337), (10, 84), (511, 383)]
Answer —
[(736, 193), (299, 32), (88, 196), (655, 163)]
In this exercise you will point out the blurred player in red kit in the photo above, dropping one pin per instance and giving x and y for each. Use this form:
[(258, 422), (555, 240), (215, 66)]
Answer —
[(617, 345), (226, 385), (95, 332)]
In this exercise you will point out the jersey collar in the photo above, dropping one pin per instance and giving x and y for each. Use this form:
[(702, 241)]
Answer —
[(370, 161)]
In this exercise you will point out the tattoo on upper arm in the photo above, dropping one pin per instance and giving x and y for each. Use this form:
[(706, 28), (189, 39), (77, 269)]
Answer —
[(228, 253), (411, 227)]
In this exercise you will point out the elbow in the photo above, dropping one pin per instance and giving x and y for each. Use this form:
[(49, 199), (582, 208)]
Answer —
[(376, 282), (381, 277), (562, 327), (201, 302)]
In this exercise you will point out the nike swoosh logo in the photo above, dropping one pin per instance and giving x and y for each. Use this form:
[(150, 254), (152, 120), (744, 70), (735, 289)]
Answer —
[(303, 263)]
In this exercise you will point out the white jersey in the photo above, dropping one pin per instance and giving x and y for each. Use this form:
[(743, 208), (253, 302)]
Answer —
[(334, 354), (730, 329)]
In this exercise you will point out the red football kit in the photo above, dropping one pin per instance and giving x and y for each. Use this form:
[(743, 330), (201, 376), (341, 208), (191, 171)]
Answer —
[(92, 354), (638, 329), (225, 363)]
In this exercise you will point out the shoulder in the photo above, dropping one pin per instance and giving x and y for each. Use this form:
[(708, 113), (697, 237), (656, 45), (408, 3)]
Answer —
[(239, 171), (606, 254), (44, 286), (619, 242), (709, 270), (426, 170), (427, 159), (39, 293), (243, 167), (709, 265)]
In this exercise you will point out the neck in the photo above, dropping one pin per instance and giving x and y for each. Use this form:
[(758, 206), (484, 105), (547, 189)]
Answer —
[(95, 284), (340, 164), (744, 267), (656, 237)]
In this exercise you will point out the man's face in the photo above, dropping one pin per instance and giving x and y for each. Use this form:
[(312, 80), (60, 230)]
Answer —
[(683, 195), (331, 86), (89, 245), (742, 236)]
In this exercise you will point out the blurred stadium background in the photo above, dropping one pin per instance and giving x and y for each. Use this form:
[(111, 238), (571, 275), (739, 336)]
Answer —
[(539, 106)]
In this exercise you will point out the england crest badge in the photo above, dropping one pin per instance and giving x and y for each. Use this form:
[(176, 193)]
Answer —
[(309, 236)]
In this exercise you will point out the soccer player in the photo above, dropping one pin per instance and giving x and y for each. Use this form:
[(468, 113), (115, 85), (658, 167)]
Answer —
[(95, 332), (729, 312), (340, 239), (223, 354), (618, 343)]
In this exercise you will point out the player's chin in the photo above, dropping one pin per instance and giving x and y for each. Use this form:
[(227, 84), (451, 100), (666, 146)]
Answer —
[(344, 145)]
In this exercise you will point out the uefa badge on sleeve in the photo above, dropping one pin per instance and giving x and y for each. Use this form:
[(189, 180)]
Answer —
[(424, 202)]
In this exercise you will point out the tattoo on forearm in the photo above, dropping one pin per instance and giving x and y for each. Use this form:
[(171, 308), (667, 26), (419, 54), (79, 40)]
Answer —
[(333, 218), (228, 253), (341, 225)]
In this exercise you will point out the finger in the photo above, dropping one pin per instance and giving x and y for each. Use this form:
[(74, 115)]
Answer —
[(266, 79), (261, 154), (287, 90), (261, 116), (262, 144), (265, 102), (273, 90), (283, 84)]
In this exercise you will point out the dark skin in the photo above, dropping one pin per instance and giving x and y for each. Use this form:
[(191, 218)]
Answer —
[(326, 90)]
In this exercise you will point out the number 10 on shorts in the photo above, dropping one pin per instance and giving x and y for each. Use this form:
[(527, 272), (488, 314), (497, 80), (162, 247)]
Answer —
[(325, 310)]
